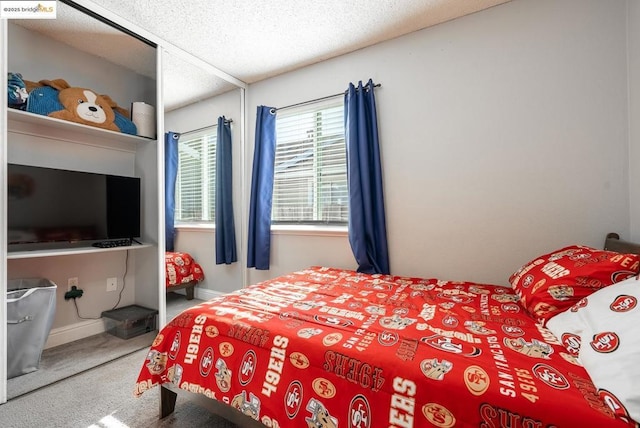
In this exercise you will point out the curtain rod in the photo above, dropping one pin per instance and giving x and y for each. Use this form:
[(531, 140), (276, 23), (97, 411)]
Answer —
[(376, 85), (204, 127)]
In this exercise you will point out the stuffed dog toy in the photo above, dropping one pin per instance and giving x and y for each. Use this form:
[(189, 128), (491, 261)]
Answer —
[(56, 98), (83, 106)]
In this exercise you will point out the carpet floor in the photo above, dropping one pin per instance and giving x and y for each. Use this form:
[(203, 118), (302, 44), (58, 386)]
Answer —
[(70, 359), (102, 398), (90, 383), (67, 360)]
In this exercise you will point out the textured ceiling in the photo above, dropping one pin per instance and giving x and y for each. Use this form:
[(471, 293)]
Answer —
[(250, 40)]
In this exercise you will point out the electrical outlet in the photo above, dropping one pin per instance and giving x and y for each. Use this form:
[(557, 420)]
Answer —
[(73, 293), (72, 282), (112, 284)]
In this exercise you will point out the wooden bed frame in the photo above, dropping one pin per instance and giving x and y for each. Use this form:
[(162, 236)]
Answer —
[(614, 243), (189, 288), (169, 393)]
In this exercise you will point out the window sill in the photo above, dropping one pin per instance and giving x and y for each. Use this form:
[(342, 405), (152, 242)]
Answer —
[(309, 230), (196, 227), (300, 230)]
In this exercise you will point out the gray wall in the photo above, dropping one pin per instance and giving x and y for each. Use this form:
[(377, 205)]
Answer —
[(504, 134)]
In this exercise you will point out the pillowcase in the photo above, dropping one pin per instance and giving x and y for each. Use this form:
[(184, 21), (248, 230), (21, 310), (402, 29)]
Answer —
[(602, 330), (552, 283)]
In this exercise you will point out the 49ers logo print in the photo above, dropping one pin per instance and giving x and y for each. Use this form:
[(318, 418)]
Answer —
[(512, 330), (293, 399), (359, 412), (206, 362), (623, 303), (571, 342), (605, 342), (175, 346), (247, 368), (388, 338), (511, 308), (451, 344), (622, 275), (550, 376), (334, 321), (450, 321), (580, 304), (615, 404)]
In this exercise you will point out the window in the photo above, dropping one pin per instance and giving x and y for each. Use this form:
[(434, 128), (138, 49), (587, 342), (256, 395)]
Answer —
[(195, 183), (310, 178)]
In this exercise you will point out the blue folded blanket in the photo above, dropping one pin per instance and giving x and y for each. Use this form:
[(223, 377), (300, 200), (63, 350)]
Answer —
[(16, 91), (44, 100)]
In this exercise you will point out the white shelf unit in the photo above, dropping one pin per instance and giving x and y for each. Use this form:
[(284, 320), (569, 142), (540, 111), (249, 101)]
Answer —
[(33, 124), (44, 141), (56, 252)]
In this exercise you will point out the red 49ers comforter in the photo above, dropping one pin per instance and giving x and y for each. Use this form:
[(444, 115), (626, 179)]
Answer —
[(326, 347)]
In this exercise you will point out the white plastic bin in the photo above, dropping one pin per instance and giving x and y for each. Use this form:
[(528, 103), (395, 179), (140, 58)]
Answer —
[(31, 307)]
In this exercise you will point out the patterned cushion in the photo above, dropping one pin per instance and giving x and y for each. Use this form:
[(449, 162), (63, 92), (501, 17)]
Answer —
[(552, 283)]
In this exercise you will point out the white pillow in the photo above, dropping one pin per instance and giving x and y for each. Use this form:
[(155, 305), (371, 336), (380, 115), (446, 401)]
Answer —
[(603, 331)]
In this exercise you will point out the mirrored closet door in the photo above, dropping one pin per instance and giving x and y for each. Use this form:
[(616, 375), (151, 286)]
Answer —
[(105, 59)]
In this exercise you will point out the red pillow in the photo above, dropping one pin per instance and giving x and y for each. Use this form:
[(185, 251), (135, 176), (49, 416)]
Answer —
[(552, 283)]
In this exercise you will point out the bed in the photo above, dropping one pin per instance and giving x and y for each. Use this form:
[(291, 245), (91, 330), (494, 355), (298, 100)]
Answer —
[(326, 347), (182, 272)]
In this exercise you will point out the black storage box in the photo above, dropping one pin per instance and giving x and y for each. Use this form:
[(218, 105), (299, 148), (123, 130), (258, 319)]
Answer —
[(130, 321)]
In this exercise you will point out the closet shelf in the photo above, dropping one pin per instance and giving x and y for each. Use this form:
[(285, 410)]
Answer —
[(70, 251), (34, 124)]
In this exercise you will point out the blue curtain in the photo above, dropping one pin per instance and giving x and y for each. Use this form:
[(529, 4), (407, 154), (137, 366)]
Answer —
[(170, 173), (225, 227), (262, 189), (367, 224)]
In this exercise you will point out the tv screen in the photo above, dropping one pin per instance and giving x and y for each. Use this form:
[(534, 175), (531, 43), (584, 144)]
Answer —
[(48, 205)]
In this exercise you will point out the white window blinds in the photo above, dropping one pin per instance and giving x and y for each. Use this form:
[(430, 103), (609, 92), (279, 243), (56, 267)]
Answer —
[(310, 179), (195, 184)]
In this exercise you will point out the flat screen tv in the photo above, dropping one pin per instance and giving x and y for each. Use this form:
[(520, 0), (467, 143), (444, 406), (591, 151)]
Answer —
[(55, 206)]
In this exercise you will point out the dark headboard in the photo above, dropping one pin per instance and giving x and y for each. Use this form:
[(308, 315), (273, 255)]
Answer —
[(614, 243)]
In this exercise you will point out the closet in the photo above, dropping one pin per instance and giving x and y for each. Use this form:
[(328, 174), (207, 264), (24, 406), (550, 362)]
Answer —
[(124, 66), (91, 47)]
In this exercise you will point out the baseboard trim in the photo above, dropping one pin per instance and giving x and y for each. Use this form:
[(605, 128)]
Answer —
[(201, 293), (206, 294), (69, 333)]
